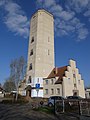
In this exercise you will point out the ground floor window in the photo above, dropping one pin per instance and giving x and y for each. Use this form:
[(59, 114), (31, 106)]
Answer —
[(58, 90), (52, 91), (46, 91)]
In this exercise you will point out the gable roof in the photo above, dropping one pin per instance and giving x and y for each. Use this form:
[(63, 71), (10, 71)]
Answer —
[(58, 72)]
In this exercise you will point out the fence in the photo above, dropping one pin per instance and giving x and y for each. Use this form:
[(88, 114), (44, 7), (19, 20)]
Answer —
[(85, 107), (81, 107)]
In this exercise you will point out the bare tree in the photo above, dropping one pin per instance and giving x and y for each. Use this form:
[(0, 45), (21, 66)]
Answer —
[(17, 71), (9, 85)]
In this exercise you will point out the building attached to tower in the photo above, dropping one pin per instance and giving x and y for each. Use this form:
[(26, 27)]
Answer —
[(64, 81)]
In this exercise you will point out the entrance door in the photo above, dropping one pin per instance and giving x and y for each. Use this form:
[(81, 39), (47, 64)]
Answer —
[(75, 93), (28, 91)]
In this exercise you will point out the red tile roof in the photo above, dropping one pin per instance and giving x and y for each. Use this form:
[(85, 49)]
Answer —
[(58, 72)]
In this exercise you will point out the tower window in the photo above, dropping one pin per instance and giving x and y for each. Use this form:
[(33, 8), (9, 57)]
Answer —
[(74, 85), (48, 39), (34, 16), (48, 52), (29, 80), (31, 53), (30, 67), (74, 75), (32, 40), (52, 81)]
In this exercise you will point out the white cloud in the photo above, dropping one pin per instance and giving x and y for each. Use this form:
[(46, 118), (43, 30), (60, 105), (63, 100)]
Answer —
[(77, 5), (66, 20), (49, 3), (87, 13), (56, 8), (15, 18), (82, 34), (66, 15), (2, 2), (80, 6)]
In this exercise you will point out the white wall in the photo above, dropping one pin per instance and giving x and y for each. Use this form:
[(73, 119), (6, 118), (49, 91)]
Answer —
[(34, 93)]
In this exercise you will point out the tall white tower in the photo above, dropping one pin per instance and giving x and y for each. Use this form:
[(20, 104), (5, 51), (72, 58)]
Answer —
[(41, 50)]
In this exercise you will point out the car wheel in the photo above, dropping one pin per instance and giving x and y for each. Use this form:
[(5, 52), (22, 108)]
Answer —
[(50, 104)]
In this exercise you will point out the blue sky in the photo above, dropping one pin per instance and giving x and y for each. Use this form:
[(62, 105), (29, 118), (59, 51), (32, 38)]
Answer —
[(72, 32)]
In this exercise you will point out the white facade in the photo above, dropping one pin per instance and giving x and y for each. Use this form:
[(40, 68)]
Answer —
[(67, 81), (40, 51), (87, 93), (72, 81)]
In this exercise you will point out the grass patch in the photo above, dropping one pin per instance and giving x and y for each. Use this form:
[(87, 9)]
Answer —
[(49, 110), (19, 101)]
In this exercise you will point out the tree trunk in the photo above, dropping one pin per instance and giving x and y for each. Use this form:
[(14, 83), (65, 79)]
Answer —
[(17, 94)]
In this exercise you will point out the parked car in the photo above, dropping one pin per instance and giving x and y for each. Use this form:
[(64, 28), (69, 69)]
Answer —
[(74, 97), (56, 98), (73, 100)]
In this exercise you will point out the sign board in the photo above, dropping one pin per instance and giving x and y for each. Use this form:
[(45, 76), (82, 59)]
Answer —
[(37, 86)]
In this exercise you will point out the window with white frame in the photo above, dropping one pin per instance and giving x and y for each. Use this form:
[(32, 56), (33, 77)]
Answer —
[(46, 91), (58, 90), (74, 76), (52, 81), (38, 80), (79, 82), (46, 82)]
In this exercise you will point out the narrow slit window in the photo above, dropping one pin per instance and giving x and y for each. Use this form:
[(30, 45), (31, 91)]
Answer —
[(48, 52), (31, 53), (30, 67), (32, 40), (29, 80)]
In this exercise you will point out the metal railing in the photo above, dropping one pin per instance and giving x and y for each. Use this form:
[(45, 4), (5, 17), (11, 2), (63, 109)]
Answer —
[(80, 107)]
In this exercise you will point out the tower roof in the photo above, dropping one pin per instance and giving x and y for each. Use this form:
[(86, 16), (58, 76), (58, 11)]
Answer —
[(43, 10)]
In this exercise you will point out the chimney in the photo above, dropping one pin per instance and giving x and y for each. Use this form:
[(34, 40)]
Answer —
[(56, 69)]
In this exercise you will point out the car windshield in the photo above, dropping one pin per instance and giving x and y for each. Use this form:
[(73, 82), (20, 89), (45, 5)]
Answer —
[(57, 97), (74, 97)]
